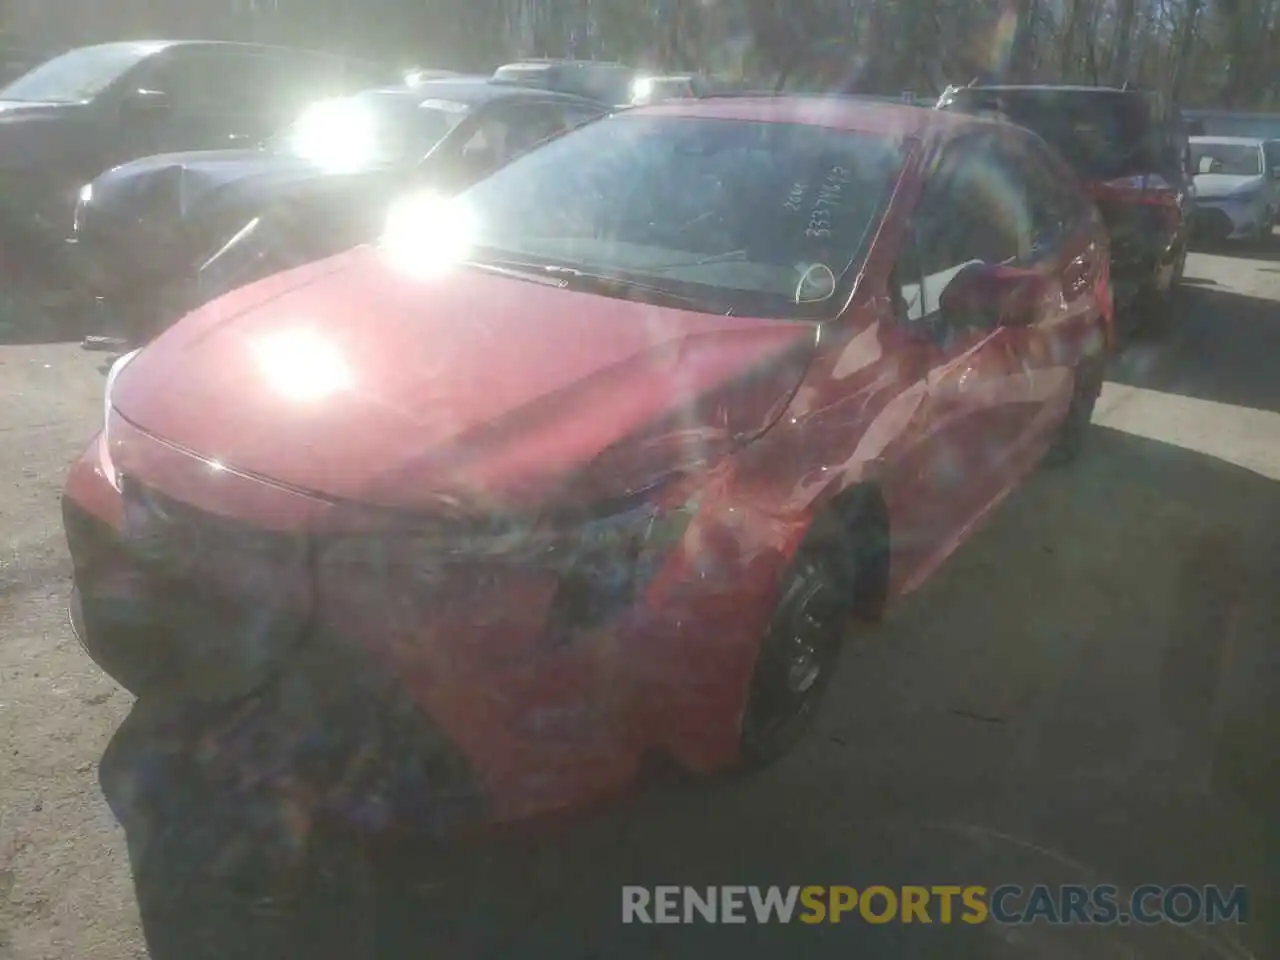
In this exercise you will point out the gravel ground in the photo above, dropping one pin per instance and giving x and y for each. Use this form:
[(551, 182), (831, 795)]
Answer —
[(1086, 692)]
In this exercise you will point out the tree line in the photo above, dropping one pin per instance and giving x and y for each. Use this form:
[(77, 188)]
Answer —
[(1220, 53)]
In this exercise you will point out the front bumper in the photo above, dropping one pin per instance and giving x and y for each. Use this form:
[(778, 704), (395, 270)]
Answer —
[(543, 720), (1224, 219), (112, 256), (320, 726)]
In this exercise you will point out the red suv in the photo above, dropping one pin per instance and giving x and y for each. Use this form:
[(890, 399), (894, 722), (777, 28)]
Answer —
[(592, 464)]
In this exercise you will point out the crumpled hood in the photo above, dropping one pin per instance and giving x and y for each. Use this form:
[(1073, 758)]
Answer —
[(33, 134), (176, 184), (1210, 186), (346, 379)]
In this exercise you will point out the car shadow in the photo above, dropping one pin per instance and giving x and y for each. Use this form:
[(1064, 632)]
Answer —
[(1267, 251), (1221, 346), (1088, 692)]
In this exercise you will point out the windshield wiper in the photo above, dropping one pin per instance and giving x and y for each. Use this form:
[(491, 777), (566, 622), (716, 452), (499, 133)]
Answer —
[(612, 285), (519, 270), (607, 284), (730, 256)]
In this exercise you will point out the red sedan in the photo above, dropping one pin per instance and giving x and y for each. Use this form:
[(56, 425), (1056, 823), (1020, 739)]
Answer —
[(592, 464)]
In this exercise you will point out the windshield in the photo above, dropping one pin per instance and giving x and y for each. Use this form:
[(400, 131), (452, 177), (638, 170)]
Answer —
[(1099, 134), (1233, 159), (78, 75), (760, 218), (369, 128)]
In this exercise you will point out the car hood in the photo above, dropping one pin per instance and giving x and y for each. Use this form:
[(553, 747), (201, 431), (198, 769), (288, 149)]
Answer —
[(349, 380), (173, 185), (1211, 185)]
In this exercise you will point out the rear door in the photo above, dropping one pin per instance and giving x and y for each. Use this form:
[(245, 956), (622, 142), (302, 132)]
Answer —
[(1066, 249)]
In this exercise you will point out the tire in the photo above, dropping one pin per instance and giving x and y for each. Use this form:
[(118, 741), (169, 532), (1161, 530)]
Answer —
[(1159, 307), (1262, 239), (1072, 434), (799, 651)]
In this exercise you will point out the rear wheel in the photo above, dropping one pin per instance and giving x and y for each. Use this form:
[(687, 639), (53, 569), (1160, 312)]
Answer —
[(799, 653)]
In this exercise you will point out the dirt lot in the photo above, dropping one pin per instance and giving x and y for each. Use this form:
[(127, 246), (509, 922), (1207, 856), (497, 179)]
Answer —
[(1087, 692)]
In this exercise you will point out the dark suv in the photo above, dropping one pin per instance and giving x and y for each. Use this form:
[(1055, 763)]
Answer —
[(1131, 152)]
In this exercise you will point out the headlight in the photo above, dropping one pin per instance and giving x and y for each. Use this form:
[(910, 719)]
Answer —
[(600, 564), (104, 439), (83, 199)]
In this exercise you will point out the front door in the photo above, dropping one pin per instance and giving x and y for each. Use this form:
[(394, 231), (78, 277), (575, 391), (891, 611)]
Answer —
[(979, 404)]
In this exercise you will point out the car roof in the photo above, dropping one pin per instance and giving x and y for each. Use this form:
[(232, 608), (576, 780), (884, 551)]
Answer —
[(157, 46), (535, 62), (1237, 141), (1049, 88), (837, 112), (476, 91)]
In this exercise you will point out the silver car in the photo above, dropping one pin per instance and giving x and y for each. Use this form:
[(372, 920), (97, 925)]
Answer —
[(1237, 190)]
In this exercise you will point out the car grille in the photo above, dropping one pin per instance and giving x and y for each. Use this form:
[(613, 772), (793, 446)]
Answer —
[(230, 598)]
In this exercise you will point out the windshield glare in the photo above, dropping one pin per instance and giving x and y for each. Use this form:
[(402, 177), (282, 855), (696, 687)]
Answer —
[(748, 216), (78, 75), (1233, 159)]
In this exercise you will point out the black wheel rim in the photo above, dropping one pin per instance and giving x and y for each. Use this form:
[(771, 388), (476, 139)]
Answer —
[(796, 659)]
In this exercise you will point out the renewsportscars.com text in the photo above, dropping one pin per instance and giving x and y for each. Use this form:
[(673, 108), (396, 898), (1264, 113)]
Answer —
[(1008, 904)]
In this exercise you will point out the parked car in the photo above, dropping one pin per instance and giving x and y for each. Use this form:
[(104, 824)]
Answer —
[(1129, 149), (610, 83), (144, 229), (589, 464), (1237, 191), (92, 108)]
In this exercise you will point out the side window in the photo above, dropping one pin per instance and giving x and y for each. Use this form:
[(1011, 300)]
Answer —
[(1054, 204), (213, 82), (503, 133), (973, 209), (530, 125), (489, 142), (1272, 151)]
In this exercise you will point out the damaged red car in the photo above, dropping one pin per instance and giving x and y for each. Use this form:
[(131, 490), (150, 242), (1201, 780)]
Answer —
[(593, 464)]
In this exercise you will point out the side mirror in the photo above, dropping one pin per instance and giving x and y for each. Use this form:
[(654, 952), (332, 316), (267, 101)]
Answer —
[(985, 296), (144, 104)]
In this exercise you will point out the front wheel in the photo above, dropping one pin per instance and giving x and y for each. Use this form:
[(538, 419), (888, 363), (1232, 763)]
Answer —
[(798, 654)]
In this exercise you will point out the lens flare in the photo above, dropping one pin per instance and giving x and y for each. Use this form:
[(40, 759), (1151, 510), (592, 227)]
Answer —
[(302, 365), (338, 136), (426, 233)]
